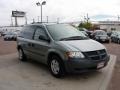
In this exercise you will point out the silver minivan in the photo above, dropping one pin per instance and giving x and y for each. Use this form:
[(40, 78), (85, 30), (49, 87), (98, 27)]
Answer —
[(62, 47)]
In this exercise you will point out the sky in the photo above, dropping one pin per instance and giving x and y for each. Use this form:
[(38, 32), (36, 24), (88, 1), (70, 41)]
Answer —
[(65, 10)]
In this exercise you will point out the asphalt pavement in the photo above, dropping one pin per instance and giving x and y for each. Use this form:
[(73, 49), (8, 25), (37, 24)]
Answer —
[(16, 75)]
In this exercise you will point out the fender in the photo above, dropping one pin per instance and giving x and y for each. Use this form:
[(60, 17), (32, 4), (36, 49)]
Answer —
[(59, 53)]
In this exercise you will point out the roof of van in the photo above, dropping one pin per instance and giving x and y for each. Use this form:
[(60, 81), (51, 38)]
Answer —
[(43, 23)]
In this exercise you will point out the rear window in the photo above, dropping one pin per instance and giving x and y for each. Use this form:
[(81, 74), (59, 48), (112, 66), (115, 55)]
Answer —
[(27, 32)]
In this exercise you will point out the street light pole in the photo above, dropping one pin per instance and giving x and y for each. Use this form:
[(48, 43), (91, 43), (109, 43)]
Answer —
[(38, 19), (41, 13), (40, 4), (47, 19)]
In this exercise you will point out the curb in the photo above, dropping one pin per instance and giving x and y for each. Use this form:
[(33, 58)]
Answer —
[(107, 79)]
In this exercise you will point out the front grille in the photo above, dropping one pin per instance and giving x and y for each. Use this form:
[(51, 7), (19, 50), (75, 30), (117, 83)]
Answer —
[(96, 55)]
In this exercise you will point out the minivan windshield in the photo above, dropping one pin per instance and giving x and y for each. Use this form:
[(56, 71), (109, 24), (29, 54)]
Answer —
[(65, 32)]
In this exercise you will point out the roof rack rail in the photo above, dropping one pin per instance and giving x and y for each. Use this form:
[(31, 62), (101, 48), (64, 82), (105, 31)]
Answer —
[(42, 22)]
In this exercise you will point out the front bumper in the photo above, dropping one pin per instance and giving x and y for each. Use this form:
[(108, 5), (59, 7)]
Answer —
[(103, 40), (84, 65)]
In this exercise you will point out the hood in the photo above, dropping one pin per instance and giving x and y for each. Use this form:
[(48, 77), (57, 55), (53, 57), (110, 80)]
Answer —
[(83, 45)]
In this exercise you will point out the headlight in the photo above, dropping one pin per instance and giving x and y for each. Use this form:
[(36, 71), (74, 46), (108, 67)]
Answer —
[(97, 37), (75, 55)]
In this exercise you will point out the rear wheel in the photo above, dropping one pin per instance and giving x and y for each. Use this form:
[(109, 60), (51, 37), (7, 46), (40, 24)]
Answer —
[(56, 67), (22, 56), (118, 41), (4, 39), (108, 41)]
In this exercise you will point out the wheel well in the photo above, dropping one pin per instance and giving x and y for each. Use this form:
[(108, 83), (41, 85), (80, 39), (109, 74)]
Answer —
[(61, 60), (18, 47), (52, 54)]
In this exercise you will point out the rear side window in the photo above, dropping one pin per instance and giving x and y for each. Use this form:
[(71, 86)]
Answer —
[(27, 32)]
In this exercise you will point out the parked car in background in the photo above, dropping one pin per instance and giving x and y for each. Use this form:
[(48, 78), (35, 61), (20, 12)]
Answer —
[(101, 36), (10, 36), (109, 34), (62, 47), (118, 39), (16, 32), (4, 33), (115, 37)]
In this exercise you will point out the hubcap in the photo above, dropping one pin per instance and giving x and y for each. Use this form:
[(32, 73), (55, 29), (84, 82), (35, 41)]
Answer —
[(118, 41), (55, 66), (20, 54)]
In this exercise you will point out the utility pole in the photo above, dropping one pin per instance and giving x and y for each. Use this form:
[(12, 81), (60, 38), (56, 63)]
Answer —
[(58, 19), (16, 24), (33, 20), (47, 19), (25, 19), (86, 18), (11, 21), (118, 18), (38, 19)]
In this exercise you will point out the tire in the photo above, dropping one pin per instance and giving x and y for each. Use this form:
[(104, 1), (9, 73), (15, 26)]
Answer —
[(56, 67), (22, 56), (111, 40), (108, 41), (4, 39), (118, 41)]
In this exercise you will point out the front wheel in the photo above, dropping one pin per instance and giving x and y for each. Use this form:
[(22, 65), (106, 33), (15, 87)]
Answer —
[(56, 67)]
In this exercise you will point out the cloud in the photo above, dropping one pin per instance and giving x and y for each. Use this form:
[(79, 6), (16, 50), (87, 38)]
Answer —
[(66, 10)]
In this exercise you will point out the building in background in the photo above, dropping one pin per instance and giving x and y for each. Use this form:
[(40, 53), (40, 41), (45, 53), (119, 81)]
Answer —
[(109, 25)]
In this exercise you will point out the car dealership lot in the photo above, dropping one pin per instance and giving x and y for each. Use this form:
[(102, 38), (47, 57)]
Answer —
[(15, 75), (7, 47), (115, 81)]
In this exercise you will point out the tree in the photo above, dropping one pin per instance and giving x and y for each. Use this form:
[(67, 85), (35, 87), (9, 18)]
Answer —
[(87, 25)]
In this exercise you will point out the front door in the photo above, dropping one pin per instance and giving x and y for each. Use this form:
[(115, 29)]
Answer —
[(40, 46)]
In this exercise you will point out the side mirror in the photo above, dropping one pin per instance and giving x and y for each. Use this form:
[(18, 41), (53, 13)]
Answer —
[(41, 37)]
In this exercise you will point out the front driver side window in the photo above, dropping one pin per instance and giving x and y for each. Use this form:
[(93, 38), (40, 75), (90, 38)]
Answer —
[(40, 32)]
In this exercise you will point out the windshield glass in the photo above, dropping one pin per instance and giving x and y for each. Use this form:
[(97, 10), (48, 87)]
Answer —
[(101, 33), (62, 31)]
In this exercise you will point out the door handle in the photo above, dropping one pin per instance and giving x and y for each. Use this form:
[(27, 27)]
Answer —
[(31, 44)]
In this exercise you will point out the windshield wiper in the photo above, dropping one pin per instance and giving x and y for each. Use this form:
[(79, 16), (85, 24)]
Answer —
[(74, 38)]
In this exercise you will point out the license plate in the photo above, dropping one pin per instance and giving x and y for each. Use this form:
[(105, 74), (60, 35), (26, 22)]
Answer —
[(100, 65), (103, 38)]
